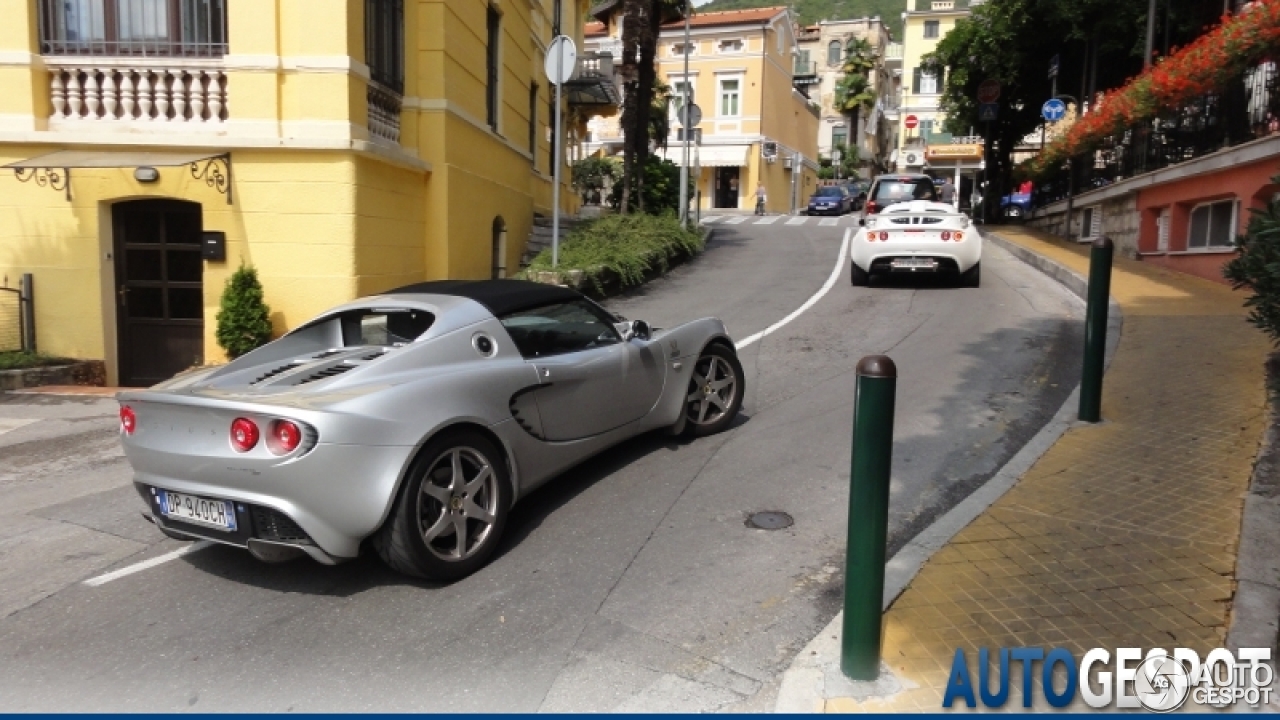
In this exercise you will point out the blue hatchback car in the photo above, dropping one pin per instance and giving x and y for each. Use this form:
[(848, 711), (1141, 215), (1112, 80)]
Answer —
[(830, 200)]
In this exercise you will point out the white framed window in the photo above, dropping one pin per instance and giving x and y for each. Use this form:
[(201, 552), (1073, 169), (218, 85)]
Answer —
[(835, 53), (677, 94), (931, 28), (682, 49), (730, 97), (1162, 231), (1212, 225), (928, 83), (734, 45)]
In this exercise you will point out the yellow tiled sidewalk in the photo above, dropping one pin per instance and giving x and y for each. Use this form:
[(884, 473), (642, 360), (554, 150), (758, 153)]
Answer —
[(1123, 534)]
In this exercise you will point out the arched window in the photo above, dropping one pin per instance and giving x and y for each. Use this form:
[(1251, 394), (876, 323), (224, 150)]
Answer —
[(835, 53), (498, 267)]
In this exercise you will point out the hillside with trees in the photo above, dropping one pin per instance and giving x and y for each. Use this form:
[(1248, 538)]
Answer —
[(811, 11)]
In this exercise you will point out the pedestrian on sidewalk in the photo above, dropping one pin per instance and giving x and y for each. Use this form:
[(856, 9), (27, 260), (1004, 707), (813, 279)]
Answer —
[(760, 198), (947, 192)]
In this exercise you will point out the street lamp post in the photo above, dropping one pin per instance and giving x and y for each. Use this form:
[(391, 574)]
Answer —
[(684, 124)]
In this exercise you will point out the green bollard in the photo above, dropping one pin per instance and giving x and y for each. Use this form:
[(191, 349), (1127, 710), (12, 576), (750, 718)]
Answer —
[(1095, 330), (868, 517)]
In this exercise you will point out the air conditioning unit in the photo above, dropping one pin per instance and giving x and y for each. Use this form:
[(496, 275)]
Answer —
[(786, 162), (912, 158), (769, 150)]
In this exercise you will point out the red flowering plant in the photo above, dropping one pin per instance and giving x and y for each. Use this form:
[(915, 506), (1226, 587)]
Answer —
[(1242, 40)]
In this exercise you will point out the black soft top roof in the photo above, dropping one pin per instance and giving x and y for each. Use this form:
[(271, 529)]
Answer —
[(499, 296)]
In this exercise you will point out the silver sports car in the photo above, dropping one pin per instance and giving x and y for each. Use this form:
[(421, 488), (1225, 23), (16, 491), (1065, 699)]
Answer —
[(414, 420)]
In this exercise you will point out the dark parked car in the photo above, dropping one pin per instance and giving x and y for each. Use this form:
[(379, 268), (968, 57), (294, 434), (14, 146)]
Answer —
[(830, 200), (858, 190), (1016, 206), (889, 190)]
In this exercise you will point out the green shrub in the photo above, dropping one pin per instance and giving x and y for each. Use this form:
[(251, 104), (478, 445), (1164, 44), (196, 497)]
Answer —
[(661, 187), (22, 359), (627, 247), (1257, 266), (244, 320)]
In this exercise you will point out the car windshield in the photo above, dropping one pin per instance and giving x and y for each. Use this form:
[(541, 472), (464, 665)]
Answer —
[(828, 192), (904, 190)]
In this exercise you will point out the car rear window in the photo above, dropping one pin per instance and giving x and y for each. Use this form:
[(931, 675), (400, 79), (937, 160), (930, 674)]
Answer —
[(904, 190), (388, 328)]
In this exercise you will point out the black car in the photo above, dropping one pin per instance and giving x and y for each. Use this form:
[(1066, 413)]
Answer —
[(888, 190), (830, 200)]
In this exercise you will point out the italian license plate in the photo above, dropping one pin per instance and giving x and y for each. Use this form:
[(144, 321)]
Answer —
[(208, 512), (915, 263)]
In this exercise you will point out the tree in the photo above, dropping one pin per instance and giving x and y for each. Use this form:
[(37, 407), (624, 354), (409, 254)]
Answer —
[(642, 20), (244, 320), (1256, 266), (1100, 44), (854, 92)]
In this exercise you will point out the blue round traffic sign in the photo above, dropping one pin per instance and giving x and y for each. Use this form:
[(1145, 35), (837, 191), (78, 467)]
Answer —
[(1053, 110)]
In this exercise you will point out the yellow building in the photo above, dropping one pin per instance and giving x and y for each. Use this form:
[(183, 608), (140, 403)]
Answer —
[(926, 22), (342, 147), (756, 129)]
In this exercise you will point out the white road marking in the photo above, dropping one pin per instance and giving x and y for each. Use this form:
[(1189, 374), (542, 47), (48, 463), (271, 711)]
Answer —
[(797, 220), (7, 424), (737, 220), (826, 288), (828, 222), (768, 220), (712, 219), (148, 564)]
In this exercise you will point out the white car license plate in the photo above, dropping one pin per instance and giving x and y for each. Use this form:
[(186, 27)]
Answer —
[(915, 263), (220, 514)]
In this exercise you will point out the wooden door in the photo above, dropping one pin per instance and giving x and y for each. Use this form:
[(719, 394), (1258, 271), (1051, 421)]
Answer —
[(159, 289)]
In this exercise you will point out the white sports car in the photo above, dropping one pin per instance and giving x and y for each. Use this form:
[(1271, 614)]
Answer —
[(917, 237)]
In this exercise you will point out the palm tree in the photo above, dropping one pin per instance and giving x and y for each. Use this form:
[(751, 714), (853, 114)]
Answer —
[(854, 90), (642, 20)]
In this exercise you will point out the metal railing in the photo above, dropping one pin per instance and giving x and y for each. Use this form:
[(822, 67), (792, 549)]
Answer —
[(805, 67), (165, 28), (17, 317), (1247, 109)]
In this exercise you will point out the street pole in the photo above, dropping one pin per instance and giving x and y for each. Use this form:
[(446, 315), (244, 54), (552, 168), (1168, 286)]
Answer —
[(860, 640), (1151, 34), (1095, 329), (684, 123), (555, 187)]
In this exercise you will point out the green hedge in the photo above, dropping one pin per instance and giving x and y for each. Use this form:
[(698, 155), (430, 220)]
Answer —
[(21, 360), (620, 250)]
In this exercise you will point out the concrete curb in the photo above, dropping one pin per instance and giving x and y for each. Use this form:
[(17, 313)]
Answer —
[(1255, 609), (804, 685)]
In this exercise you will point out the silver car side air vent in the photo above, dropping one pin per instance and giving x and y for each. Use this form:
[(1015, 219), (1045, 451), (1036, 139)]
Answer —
[(328, 353), (930, 221), (326, 373), (272, 373), (373, 355)]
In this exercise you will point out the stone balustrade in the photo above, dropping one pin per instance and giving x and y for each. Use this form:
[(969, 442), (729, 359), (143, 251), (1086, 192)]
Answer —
[(384, 113), (138, 91)]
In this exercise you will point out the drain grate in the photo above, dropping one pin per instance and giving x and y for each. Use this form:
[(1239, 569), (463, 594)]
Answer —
[(770, 520)]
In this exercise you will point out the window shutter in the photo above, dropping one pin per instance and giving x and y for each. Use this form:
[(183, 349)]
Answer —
[(915, 81)]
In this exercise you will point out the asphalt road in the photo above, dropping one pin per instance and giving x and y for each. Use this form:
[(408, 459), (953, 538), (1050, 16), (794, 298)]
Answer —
[(630, 583)]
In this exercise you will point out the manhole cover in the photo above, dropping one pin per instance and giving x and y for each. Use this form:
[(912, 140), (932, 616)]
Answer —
[(770, 520)]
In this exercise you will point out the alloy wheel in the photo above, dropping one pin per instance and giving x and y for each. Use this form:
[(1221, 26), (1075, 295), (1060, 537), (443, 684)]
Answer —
[(457, 503), (711, 390)]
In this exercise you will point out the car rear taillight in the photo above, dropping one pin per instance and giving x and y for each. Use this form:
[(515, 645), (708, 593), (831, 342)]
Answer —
[(946, 235), (128, 419), (244, 434), (957, 236), (872, 207), (284, 437)]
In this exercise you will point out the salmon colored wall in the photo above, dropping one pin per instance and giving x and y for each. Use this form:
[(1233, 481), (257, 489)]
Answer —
[(1250, 184)]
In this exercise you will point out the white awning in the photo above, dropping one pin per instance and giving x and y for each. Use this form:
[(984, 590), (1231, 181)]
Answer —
[(710, 155)]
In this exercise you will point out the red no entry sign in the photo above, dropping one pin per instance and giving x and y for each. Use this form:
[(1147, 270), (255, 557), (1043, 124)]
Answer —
[(989, 91), (912, 122)]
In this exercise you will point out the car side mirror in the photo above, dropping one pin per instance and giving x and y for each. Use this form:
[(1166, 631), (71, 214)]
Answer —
[(636, 330)]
